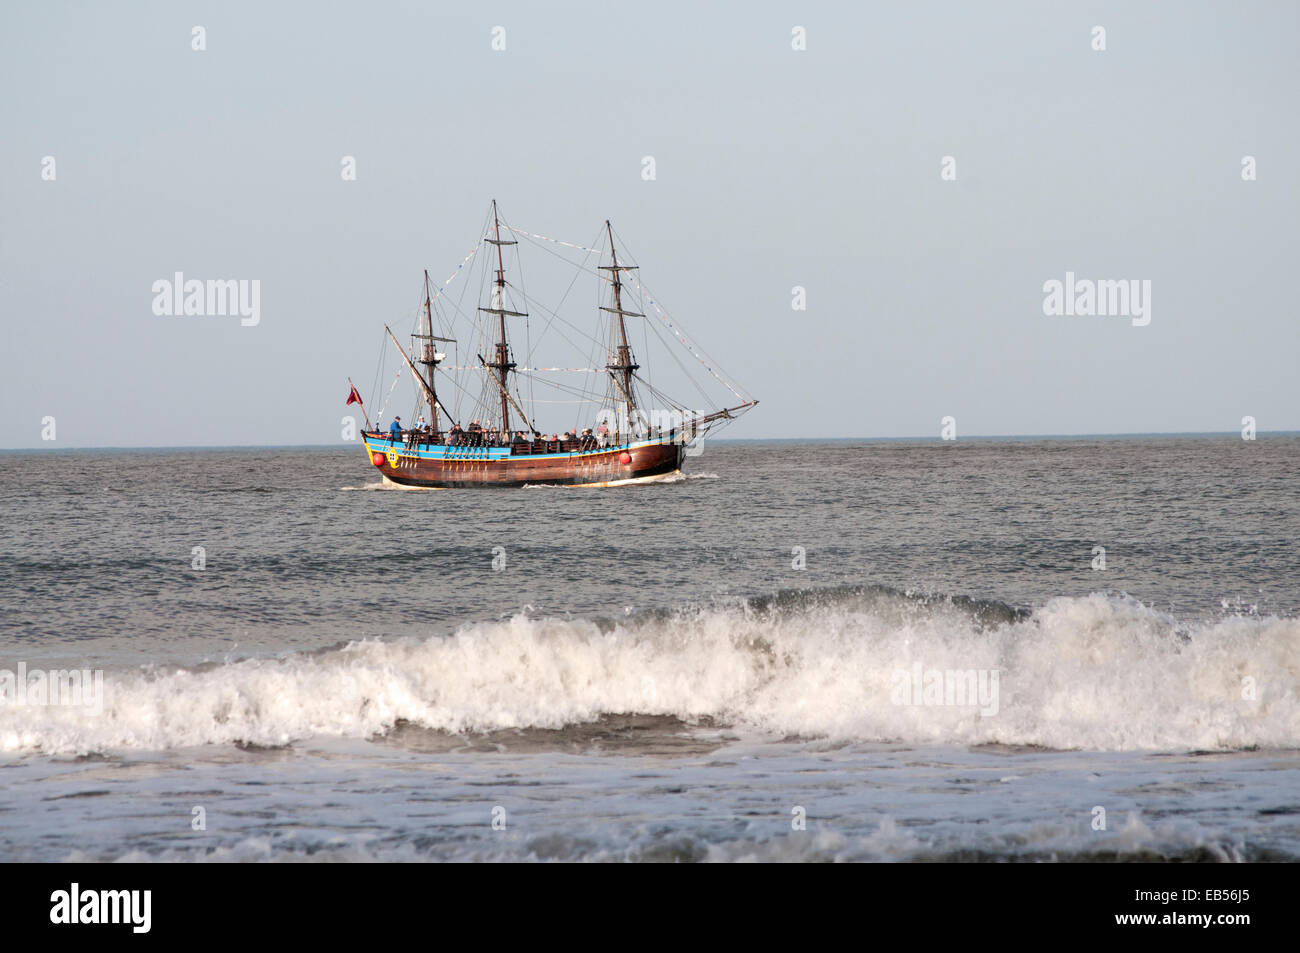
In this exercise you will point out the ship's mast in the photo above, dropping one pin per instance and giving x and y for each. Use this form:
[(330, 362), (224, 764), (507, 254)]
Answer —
[(429, 356), (502, 365), (625, 366)]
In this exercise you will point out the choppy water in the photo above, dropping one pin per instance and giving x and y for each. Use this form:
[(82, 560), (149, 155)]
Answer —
[(643, 672)]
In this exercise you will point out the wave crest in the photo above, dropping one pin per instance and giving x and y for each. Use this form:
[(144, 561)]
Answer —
[(1100, 672)]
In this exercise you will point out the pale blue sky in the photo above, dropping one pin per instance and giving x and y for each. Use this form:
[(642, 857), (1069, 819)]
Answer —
[(775, 168)]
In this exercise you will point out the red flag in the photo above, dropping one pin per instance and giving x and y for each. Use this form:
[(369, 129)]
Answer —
[(354, 397)]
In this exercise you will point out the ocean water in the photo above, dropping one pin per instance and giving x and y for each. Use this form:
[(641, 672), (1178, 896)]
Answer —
[(840, 651)]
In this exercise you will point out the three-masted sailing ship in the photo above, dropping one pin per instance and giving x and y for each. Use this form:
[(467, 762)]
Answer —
[(489, 436)]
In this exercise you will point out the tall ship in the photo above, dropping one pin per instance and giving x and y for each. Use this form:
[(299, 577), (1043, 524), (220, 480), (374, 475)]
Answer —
[(479, 405)]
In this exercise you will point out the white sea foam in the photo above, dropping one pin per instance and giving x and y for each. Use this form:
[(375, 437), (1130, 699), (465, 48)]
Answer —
[(882, 840), (1099, 672)]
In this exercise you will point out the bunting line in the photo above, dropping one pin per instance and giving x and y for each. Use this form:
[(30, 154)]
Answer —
[(464, 262), (658, 310), (555, 241), (479, 367)]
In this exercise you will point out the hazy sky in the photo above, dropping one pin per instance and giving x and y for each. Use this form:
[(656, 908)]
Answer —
[(775, 168)]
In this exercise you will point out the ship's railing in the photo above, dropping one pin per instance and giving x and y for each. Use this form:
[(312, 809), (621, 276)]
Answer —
[(613, 441)]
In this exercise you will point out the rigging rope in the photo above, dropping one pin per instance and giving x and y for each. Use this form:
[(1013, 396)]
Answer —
[(687, 344), (663, 315), (380, 416), (486, 404)]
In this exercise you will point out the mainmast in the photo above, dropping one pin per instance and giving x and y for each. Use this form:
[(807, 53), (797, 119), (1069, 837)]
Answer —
[(625, 364), (502, 365)]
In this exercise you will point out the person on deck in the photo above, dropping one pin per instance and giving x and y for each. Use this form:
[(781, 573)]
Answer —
[(602, 432), (395, 431)]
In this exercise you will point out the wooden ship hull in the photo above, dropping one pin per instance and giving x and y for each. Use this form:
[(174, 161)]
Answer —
[(436, 466)]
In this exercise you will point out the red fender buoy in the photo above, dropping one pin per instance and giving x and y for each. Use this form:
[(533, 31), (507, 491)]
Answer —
[(377, 459), (625, 458)]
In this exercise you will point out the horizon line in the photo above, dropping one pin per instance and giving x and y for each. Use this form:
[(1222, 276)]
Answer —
[(734, 440)]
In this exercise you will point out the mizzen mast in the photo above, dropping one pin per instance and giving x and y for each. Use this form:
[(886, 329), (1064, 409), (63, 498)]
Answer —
[(624, 366), (502, 365)]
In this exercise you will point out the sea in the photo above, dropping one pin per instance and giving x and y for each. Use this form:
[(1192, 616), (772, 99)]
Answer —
[(1072, 649)]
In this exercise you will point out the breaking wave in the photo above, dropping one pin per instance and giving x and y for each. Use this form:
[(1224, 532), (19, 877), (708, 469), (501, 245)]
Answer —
[(1101, 672)]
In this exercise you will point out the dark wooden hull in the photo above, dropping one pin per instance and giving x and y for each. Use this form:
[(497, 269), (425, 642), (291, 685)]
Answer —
[(448, 467)]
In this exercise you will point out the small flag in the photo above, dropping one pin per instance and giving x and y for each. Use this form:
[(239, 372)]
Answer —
[(354, 397)]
